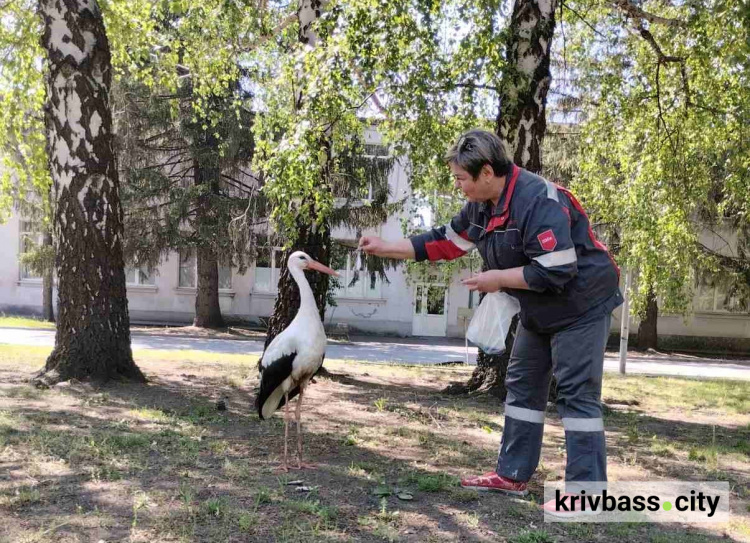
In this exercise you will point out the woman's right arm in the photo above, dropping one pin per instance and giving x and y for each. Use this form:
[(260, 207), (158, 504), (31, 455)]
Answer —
[(440, 243), (401, 249)]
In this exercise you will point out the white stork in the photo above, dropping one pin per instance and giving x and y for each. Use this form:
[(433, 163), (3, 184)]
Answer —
[(295, 355)]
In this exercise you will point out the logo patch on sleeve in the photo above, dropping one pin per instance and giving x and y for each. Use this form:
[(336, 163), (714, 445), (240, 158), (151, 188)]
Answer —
[(547, 240)]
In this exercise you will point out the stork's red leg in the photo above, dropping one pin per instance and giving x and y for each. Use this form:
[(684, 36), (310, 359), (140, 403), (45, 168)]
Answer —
[(300, 465)]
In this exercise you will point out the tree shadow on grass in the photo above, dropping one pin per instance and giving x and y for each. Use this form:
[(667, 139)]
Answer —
[(187, 470)]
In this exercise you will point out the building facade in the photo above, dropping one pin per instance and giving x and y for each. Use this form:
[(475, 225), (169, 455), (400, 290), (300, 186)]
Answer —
[(399, 306)]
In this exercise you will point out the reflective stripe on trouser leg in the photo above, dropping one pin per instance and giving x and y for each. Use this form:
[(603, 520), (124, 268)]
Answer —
[(578, 360), (527, 382)]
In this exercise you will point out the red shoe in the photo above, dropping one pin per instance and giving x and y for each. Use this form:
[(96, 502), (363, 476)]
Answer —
[(565, 507), (498, 483)]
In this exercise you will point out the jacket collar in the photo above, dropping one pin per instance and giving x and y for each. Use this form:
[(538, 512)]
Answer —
[(502, 211)]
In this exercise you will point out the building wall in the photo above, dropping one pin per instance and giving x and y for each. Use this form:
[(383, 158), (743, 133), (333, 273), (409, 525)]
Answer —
[(17, 296)]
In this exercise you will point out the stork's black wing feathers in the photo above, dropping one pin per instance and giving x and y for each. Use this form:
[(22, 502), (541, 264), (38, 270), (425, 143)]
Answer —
[(271, 379), (295, 391)]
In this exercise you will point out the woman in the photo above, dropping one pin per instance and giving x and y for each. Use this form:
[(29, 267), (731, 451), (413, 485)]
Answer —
[(537, 244)]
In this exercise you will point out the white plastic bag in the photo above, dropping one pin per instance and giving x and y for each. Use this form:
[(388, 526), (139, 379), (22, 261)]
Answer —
[(490, 324)]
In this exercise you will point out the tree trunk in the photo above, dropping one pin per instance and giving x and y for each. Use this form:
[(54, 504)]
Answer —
[(313, 240), (207, 309), (647, 337), (521, 116), (48, 311), (521, 124), (93, 330)]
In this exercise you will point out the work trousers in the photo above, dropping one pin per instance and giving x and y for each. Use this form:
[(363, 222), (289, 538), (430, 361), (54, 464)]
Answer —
[(575, 355)]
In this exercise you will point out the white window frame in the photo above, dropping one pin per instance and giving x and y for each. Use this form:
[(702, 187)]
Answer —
[(425, 287), (228, 289), (386, 156), (180, 266), (347, 292), (340, 201), (717, 294), (138, 283), (35, 236), (273, 288)]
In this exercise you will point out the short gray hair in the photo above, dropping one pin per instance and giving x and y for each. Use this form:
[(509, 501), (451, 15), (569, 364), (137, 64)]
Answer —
[(476, 148)]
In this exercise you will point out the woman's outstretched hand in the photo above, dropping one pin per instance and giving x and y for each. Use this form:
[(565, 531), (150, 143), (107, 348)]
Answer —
[(399, 249), (372, 245)]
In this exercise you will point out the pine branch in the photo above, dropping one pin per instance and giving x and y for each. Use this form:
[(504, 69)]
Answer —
[(182, 174), (134, 211), (163, 164), (250, 190), (157, 136), (249, 174)]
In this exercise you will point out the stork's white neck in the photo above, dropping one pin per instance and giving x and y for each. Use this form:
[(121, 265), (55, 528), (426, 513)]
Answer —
[(307, 303)]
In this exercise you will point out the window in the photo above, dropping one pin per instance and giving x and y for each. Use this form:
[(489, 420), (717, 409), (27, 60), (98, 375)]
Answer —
[(29, 239), (712, 296), (267, 269), (376, 151), (188, 269), (355, 283), (378, 156), (225, 277), (188, 276), (140, 276), (430, 300), (435, 300), (363, 176)]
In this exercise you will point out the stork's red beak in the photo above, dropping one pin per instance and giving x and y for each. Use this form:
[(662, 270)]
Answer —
[(317, 266)]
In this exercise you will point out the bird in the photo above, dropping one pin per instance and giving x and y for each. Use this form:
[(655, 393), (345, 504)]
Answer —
[(295, 355)]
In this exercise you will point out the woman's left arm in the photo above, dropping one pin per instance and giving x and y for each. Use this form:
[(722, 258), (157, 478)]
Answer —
[(494, 280)]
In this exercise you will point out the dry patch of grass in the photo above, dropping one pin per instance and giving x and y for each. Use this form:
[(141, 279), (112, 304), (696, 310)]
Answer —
[(161, 463)]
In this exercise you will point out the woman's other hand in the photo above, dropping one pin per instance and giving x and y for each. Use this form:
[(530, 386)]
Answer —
[(489, 281)]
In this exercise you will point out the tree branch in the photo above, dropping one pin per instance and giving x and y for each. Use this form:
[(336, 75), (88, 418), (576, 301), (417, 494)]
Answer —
[(574, 12), (663, 59), (632, 11), (248, 189), (658, 103)]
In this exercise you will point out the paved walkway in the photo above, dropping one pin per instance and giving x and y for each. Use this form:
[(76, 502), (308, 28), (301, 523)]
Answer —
[(406, 351)]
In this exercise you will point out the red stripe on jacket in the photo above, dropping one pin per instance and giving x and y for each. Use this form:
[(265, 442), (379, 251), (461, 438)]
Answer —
[(598, 244), (499, 221), (442, 249)]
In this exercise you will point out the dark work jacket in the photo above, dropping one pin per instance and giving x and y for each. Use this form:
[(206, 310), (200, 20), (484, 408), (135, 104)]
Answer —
[(541, 227)]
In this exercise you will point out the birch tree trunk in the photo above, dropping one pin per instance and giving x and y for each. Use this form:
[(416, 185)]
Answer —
[(93, 330), (521, 124)]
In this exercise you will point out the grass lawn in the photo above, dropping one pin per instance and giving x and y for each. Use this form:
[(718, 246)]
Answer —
[(159, 463), (7, 321)]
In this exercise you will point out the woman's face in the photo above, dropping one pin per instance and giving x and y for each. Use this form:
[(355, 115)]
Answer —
[(475, 190)]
